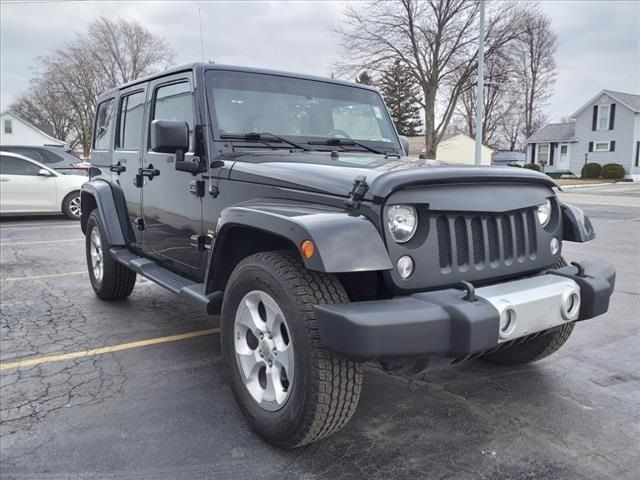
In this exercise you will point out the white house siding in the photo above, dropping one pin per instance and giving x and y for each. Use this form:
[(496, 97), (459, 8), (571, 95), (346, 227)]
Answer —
[(622, 133), (23, 133)]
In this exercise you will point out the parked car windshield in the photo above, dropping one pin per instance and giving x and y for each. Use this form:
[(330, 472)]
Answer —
[(307, 111)]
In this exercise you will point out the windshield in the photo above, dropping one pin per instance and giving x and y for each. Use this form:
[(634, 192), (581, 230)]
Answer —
[(307, 111)]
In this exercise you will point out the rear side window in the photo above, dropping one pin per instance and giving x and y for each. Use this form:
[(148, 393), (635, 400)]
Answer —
[(131, 119), (174, 102), (17, 166), (104, 125), (29, 152)]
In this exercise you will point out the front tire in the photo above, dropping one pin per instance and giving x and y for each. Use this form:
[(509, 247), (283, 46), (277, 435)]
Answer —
[(109, 279), (71, 206), (303, 392)]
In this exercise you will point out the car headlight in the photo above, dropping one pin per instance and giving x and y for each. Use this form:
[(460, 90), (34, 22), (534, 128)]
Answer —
[(402, 221), (544, 213)]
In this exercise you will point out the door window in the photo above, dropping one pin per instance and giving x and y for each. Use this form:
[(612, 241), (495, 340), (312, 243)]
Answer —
[(174, 102), (131, 118), (17, 166), (104, 126)]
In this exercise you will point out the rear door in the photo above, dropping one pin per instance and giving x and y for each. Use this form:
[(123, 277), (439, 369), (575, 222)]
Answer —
[(172, 215), (127, 156), (23, 189)]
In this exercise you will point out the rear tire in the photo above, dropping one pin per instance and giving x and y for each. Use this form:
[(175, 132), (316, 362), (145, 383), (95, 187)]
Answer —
[(71, 206), (109, 279), (320, 392)]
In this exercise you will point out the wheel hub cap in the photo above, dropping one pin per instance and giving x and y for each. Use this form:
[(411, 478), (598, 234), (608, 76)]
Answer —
[(95, 251), (264, 350)]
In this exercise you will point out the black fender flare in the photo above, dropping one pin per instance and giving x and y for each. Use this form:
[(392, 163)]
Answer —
[(576, 225), (110, 202), (343, 242)]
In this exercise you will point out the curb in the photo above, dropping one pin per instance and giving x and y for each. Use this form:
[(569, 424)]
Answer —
[(565, 187)]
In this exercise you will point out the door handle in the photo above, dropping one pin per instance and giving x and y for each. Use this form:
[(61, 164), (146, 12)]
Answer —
[(118, 168), (149, 172)]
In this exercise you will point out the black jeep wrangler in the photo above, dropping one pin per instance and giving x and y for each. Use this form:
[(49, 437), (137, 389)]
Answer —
[(287, 204)]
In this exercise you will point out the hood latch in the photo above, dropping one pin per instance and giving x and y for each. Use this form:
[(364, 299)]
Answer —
[(356, 195)]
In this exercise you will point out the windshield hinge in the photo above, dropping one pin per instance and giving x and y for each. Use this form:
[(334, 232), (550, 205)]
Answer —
[(356, 195)]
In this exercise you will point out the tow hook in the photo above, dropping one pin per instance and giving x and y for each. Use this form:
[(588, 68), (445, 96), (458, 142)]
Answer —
[(580, 269), (470, 291)]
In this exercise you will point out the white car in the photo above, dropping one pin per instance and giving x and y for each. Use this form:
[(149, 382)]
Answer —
[(27, 186)]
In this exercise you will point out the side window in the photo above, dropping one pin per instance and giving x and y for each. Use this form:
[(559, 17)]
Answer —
[(131, 119), (175, 102), (17, 166), (31, 153), (104, 125)]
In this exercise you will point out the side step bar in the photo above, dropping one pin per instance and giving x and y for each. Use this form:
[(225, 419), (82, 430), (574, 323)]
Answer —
[(188, 289)]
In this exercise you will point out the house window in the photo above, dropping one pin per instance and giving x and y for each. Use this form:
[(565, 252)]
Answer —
[(543, 153), (7, 126), (603, 117), (601, 147)]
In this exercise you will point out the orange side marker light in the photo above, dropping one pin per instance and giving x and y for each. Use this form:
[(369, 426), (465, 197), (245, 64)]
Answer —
[(307, 248)]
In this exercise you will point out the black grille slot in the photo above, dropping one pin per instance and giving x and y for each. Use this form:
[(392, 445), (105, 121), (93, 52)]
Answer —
[(444, 241), (483, 239), (531, 230), (492, 233), (478, 241), (507, 238), (462, 241), (520, 238)]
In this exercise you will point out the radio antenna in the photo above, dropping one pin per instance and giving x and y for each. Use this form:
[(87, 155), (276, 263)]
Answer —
[(201, 41)]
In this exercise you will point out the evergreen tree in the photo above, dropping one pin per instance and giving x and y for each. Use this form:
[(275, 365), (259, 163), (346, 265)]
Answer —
[(364, 78), (401, 94)]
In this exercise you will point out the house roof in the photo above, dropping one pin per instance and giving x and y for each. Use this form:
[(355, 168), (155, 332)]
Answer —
[(629, 100), (555, 132), (32, 126)]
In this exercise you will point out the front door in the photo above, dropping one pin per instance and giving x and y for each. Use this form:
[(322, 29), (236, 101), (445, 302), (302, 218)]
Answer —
[(127, 157), (172, 215), (23, 189), (563, 157)]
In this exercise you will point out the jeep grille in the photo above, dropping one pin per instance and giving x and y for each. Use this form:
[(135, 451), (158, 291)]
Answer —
[(471, 240)]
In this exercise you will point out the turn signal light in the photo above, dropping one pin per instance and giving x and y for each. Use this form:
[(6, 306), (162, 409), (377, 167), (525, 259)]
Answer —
[(307, 248)]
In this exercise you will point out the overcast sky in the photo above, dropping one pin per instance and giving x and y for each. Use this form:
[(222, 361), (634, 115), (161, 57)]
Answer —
[(599, 41)]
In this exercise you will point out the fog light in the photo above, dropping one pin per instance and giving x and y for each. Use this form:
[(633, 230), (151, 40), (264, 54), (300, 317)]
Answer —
[(405, 267), (507, 322), (554, 246)]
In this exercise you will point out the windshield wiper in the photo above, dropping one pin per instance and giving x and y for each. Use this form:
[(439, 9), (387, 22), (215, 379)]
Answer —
[(263, 137), (346, 142)]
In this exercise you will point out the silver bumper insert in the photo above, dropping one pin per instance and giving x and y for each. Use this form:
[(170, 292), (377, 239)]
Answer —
[(532, 304)]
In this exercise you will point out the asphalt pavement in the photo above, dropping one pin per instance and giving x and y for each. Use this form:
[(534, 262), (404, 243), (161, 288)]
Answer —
[(163, 410)]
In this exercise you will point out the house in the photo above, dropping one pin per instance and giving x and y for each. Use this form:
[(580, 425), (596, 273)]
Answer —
[(453, 148), (606, 129), (505, 157), (16, 131)]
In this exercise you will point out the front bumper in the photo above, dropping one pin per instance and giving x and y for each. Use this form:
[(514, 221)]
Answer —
[(444, 323)]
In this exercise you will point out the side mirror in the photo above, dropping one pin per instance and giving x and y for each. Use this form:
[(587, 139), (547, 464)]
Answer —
[(405, 144), (171, 136), (43, 172)]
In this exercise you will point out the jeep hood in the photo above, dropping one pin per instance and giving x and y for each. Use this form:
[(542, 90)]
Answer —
[(318, 172)]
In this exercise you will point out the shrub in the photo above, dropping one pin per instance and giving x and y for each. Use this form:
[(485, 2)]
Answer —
[(513, 164), (613, 171), (591, 170), (533, 166)]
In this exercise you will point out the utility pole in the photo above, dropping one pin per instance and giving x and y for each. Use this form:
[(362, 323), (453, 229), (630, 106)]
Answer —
[(201, 40), (480, 92)]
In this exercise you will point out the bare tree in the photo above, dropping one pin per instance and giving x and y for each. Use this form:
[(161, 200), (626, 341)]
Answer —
[(109, 53), (536, 66), (435, 39)]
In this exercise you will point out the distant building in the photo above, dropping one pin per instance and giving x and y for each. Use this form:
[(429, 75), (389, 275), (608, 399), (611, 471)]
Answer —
[(606, 130), (453, 148), (16, 131), (500, 159)]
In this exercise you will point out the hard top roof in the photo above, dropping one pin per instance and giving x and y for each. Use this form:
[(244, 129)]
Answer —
[(233, 68)]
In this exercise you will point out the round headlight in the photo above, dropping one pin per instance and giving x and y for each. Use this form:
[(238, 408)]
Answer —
[(402, 221), (544, 213)]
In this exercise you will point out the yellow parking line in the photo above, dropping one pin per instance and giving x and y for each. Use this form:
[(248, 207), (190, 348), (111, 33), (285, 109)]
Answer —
[(42, 241), (29, 362), (39, 277)]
